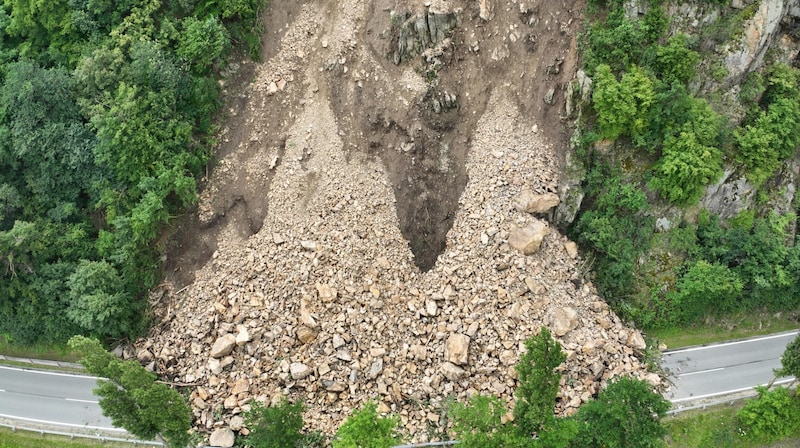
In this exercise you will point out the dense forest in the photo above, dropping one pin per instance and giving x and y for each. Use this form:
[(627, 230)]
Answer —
[(653, 138), (105, 123)]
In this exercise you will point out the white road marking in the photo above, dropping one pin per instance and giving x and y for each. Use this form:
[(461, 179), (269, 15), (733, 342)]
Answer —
[(82, 401), (725, 344), (701, 371), (728, 392), (44, 372), (72, 425)]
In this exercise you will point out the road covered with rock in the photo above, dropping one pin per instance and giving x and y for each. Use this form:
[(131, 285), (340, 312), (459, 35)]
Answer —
[(323, 303)]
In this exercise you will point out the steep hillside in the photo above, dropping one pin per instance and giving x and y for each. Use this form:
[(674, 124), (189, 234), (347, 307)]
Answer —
[(357, 237)]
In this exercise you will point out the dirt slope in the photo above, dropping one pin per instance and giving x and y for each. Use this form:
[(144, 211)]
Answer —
[(357, 220)]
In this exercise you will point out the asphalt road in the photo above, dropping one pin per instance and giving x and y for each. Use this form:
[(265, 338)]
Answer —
[(726, 368), (51, 398)]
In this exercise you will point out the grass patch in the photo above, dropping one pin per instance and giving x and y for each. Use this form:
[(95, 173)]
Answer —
[(720, 329), (715, 427), (50, 352), (27, 439)]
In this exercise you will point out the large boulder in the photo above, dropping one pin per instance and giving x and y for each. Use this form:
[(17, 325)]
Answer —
[(457, 348), (564, 320), (223, 346), (222, 438), (528, 239), (530, 202)]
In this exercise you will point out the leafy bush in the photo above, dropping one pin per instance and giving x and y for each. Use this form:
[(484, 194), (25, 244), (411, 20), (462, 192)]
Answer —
[(279, 426), (538, 383), (772, 415), (625, 415), (691, 159), (132, 398), (676, 61), (479, 424), (622, 106), (365, 429)]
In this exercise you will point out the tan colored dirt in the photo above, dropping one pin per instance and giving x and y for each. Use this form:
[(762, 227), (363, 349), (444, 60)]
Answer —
[(339, 176)]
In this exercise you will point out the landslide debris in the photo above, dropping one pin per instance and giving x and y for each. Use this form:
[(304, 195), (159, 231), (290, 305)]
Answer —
[(361, 242)]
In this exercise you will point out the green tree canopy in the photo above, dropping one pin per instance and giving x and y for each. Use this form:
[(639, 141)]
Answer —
[(132, 398), (538, 383), (625, 415)]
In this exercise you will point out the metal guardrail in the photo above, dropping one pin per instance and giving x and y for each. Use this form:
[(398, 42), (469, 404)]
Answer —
[(72, 435)]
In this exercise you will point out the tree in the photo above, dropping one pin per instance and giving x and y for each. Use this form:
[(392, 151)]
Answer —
[(625, 415), (790, 361), (479, 424), (365, 429), (622, 106), (98, 300), (538, 383), (676, 61), (132, 398), (203, 43), (705, 288), (279, 426), (772, 415)]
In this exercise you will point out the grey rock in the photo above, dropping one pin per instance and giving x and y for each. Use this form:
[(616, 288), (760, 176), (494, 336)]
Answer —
[(457, 348), (528, 239), (223, 346), (223, 438)]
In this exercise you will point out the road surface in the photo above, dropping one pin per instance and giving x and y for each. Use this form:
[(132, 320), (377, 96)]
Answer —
[(726, 368), (51, 398)]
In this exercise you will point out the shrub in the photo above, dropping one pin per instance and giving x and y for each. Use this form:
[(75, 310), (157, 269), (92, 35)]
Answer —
[(279, 426), (772, 415), (625, 415), (479, 424), (622, 106), (365, 429)]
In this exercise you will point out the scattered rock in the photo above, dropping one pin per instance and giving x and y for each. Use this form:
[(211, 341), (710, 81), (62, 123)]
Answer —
[(453, 372), (530, 202), (571, 248), (456, 349), (243, 336), (305, 334), (564, 320), (298, 370), (223, 346), (222, 438), (635, 340), (528, 239)]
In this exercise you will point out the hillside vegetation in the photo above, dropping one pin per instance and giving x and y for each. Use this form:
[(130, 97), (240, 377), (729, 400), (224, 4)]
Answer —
[(668, 127), (105, 123)]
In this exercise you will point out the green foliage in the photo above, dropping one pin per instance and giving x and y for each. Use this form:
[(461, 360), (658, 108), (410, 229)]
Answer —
[(691, 159), (705, 289), (279, 426), (676, 61), (479, 424), (615, 228), (99, 302), (625, 415), (790, 360), (622, 106), (774, 133), (620, 42), (132, 398), (772, 415), (366, 429), (203, 43), (538, 383)]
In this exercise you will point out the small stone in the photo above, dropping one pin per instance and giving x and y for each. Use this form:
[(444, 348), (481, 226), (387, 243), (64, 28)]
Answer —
[(335, 387), (305, 334), (308, 245), (230, 402), (272, 88), (571, 248), (456, 349), (243, 337), (431, 309), (452, 372), (241, 386), (281, 84), (222, 438), (418, 352), (344, 355), (338, 341), (223, 346), (237, 421), (528, 239), (298, 370), (375, 369), (276, 237), (324, 369), (324, 43)]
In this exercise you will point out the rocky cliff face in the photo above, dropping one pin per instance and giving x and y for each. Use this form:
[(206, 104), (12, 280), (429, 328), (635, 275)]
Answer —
[(303, 282)]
